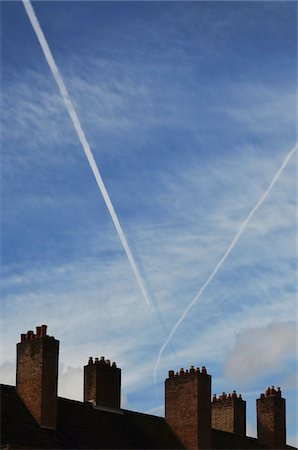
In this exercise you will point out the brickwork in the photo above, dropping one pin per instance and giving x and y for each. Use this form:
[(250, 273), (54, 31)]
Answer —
[(102, 383), (37, 375), (271, 419), (197, 422), (188, 407), (228, 413)]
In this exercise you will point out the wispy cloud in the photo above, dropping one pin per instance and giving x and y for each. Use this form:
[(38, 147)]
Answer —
[(186, 150), (85, 144), (96, 291), (227, 252)]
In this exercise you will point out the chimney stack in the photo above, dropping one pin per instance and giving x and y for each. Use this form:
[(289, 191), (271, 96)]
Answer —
[(188, 406), (102, 383), (228, 413), (37, 375), (271, 419)]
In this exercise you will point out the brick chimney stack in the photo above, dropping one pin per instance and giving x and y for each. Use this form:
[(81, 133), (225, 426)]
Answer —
[(271, 419), (37, 375), (228, 413), (188, 406), (102, 383)]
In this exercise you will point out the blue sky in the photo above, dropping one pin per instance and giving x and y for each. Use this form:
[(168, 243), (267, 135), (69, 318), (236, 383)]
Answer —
[(189, 109)]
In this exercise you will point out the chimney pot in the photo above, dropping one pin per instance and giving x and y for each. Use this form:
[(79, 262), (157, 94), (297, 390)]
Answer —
[(267, 393), (272, 391)]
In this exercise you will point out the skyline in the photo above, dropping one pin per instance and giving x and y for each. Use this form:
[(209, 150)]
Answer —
[(186, 151)]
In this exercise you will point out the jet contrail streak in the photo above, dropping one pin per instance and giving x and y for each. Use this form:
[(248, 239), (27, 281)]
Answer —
[(226, 254), (77, 125)]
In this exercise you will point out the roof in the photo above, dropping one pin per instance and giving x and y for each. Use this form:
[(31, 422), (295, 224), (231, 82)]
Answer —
[(80, 425), (18, 428), (225, 440), (231, 441)]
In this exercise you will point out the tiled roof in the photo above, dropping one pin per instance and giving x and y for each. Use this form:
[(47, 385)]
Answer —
[(82, 426)]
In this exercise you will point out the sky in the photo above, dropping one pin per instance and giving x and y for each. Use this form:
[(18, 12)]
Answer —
[(189, 109)]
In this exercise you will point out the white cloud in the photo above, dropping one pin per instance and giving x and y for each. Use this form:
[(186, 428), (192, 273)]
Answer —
[(293, 440), (251, 430), (8, 373), (158, 411), (261, 351), (70, 382)]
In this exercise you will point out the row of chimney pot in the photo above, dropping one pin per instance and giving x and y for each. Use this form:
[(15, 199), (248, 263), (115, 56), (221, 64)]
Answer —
[(272, 392), (186, 372), (101, 360), (225, 396), (40, 332), (270, 414)]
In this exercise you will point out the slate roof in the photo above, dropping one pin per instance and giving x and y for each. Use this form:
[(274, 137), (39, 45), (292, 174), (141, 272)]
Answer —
[(225, 440), (81, 426), (231, 441)]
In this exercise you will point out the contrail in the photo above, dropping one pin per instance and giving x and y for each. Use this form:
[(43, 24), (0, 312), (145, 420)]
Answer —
[(77, 125), (224, 257)]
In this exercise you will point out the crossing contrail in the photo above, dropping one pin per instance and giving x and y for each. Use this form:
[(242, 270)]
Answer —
[(226, 254), (77, 125)]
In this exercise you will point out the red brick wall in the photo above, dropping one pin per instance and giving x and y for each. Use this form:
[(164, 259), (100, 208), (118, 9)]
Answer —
[(102, 383), (271, 419), (37, 376), (228, 413), (188, 407)]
